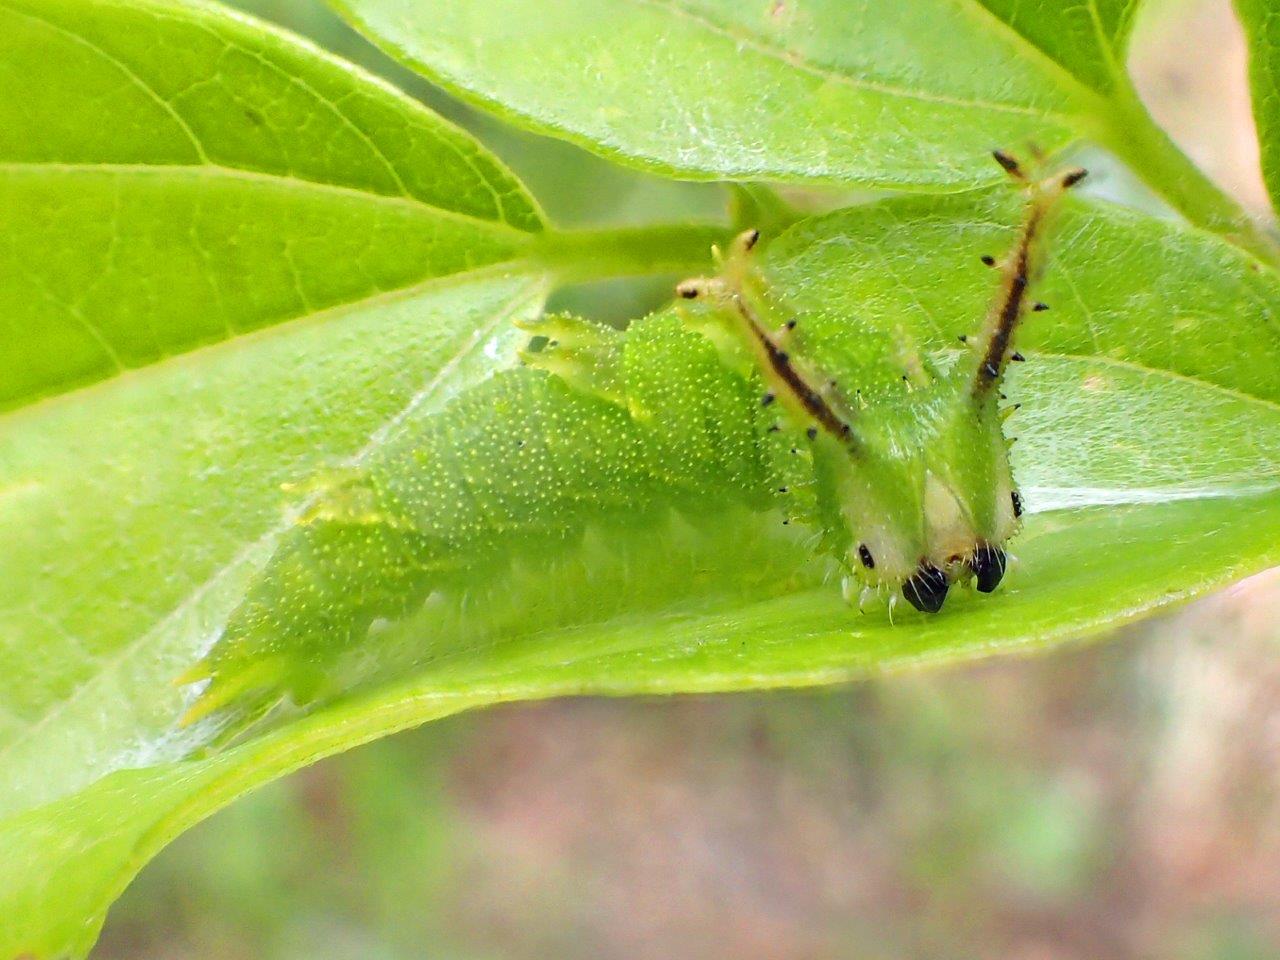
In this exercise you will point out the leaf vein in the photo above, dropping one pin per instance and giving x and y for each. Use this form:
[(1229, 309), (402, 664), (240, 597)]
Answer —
[(133, 76)]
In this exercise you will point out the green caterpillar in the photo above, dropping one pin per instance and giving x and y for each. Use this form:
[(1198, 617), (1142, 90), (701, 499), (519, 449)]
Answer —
[(898, 463)]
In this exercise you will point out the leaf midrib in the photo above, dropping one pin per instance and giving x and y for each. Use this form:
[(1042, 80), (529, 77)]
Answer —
[(38, 403)]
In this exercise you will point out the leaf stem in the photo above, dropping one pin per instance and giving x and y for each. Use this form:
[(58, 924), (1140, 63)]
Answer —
[(574, 256), (1128, 130)]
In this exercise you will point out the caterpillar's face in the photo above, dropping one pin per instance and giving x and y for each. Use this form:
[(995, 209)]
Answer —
[(916, 480), (939, 515)]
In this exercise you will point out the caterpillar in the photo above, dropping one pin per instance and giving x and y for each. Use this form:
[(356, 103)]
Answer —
[(725, 402)]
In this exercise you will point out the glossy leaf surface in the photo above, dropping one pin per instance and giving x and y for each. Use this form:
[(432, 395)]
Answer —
[(904, 94)]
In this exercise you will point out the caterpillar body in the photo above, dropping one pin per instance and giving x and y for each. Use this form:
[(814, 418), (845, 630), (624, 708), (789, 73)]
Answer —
[(726, 403)]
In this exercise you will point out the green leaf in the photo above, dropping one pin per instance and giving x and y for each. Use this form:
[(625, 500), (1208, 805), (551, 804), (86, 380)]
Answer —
[(173, 176), (134, 511), (1149, 439), (1262, 30), (911, 93), (1088, 39)]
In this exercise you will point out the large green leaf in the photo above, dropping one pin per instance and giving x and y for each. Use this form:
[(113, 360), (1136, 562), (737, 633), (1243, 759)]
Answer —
[(1149, 440), (1261, 22), (911, 93), (173, 175), (119, 250)]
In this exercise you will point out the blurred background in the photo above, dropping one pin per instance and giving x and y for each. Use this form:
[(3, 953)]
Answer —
[(1118, 799)]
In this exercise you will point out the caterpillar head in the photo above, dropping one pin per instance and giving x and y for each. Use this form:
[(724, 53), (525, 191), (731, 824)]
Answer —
[(928, 499), (919, 485)]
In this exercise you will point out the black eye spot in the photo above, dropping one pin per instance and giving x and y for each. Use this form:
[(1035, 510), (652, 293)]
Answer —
[(987, 564), (864, 555), (927, 588), (1017, 503)]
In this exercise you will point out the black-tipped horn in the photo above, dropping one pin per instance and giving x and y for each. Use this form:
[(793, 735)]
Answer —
[(926, 589), (988, 565)]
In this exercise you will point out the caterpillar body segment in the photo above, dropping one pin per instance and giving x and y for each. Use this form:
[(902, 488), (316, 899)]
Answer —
[(516, 465), (727, 405)]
